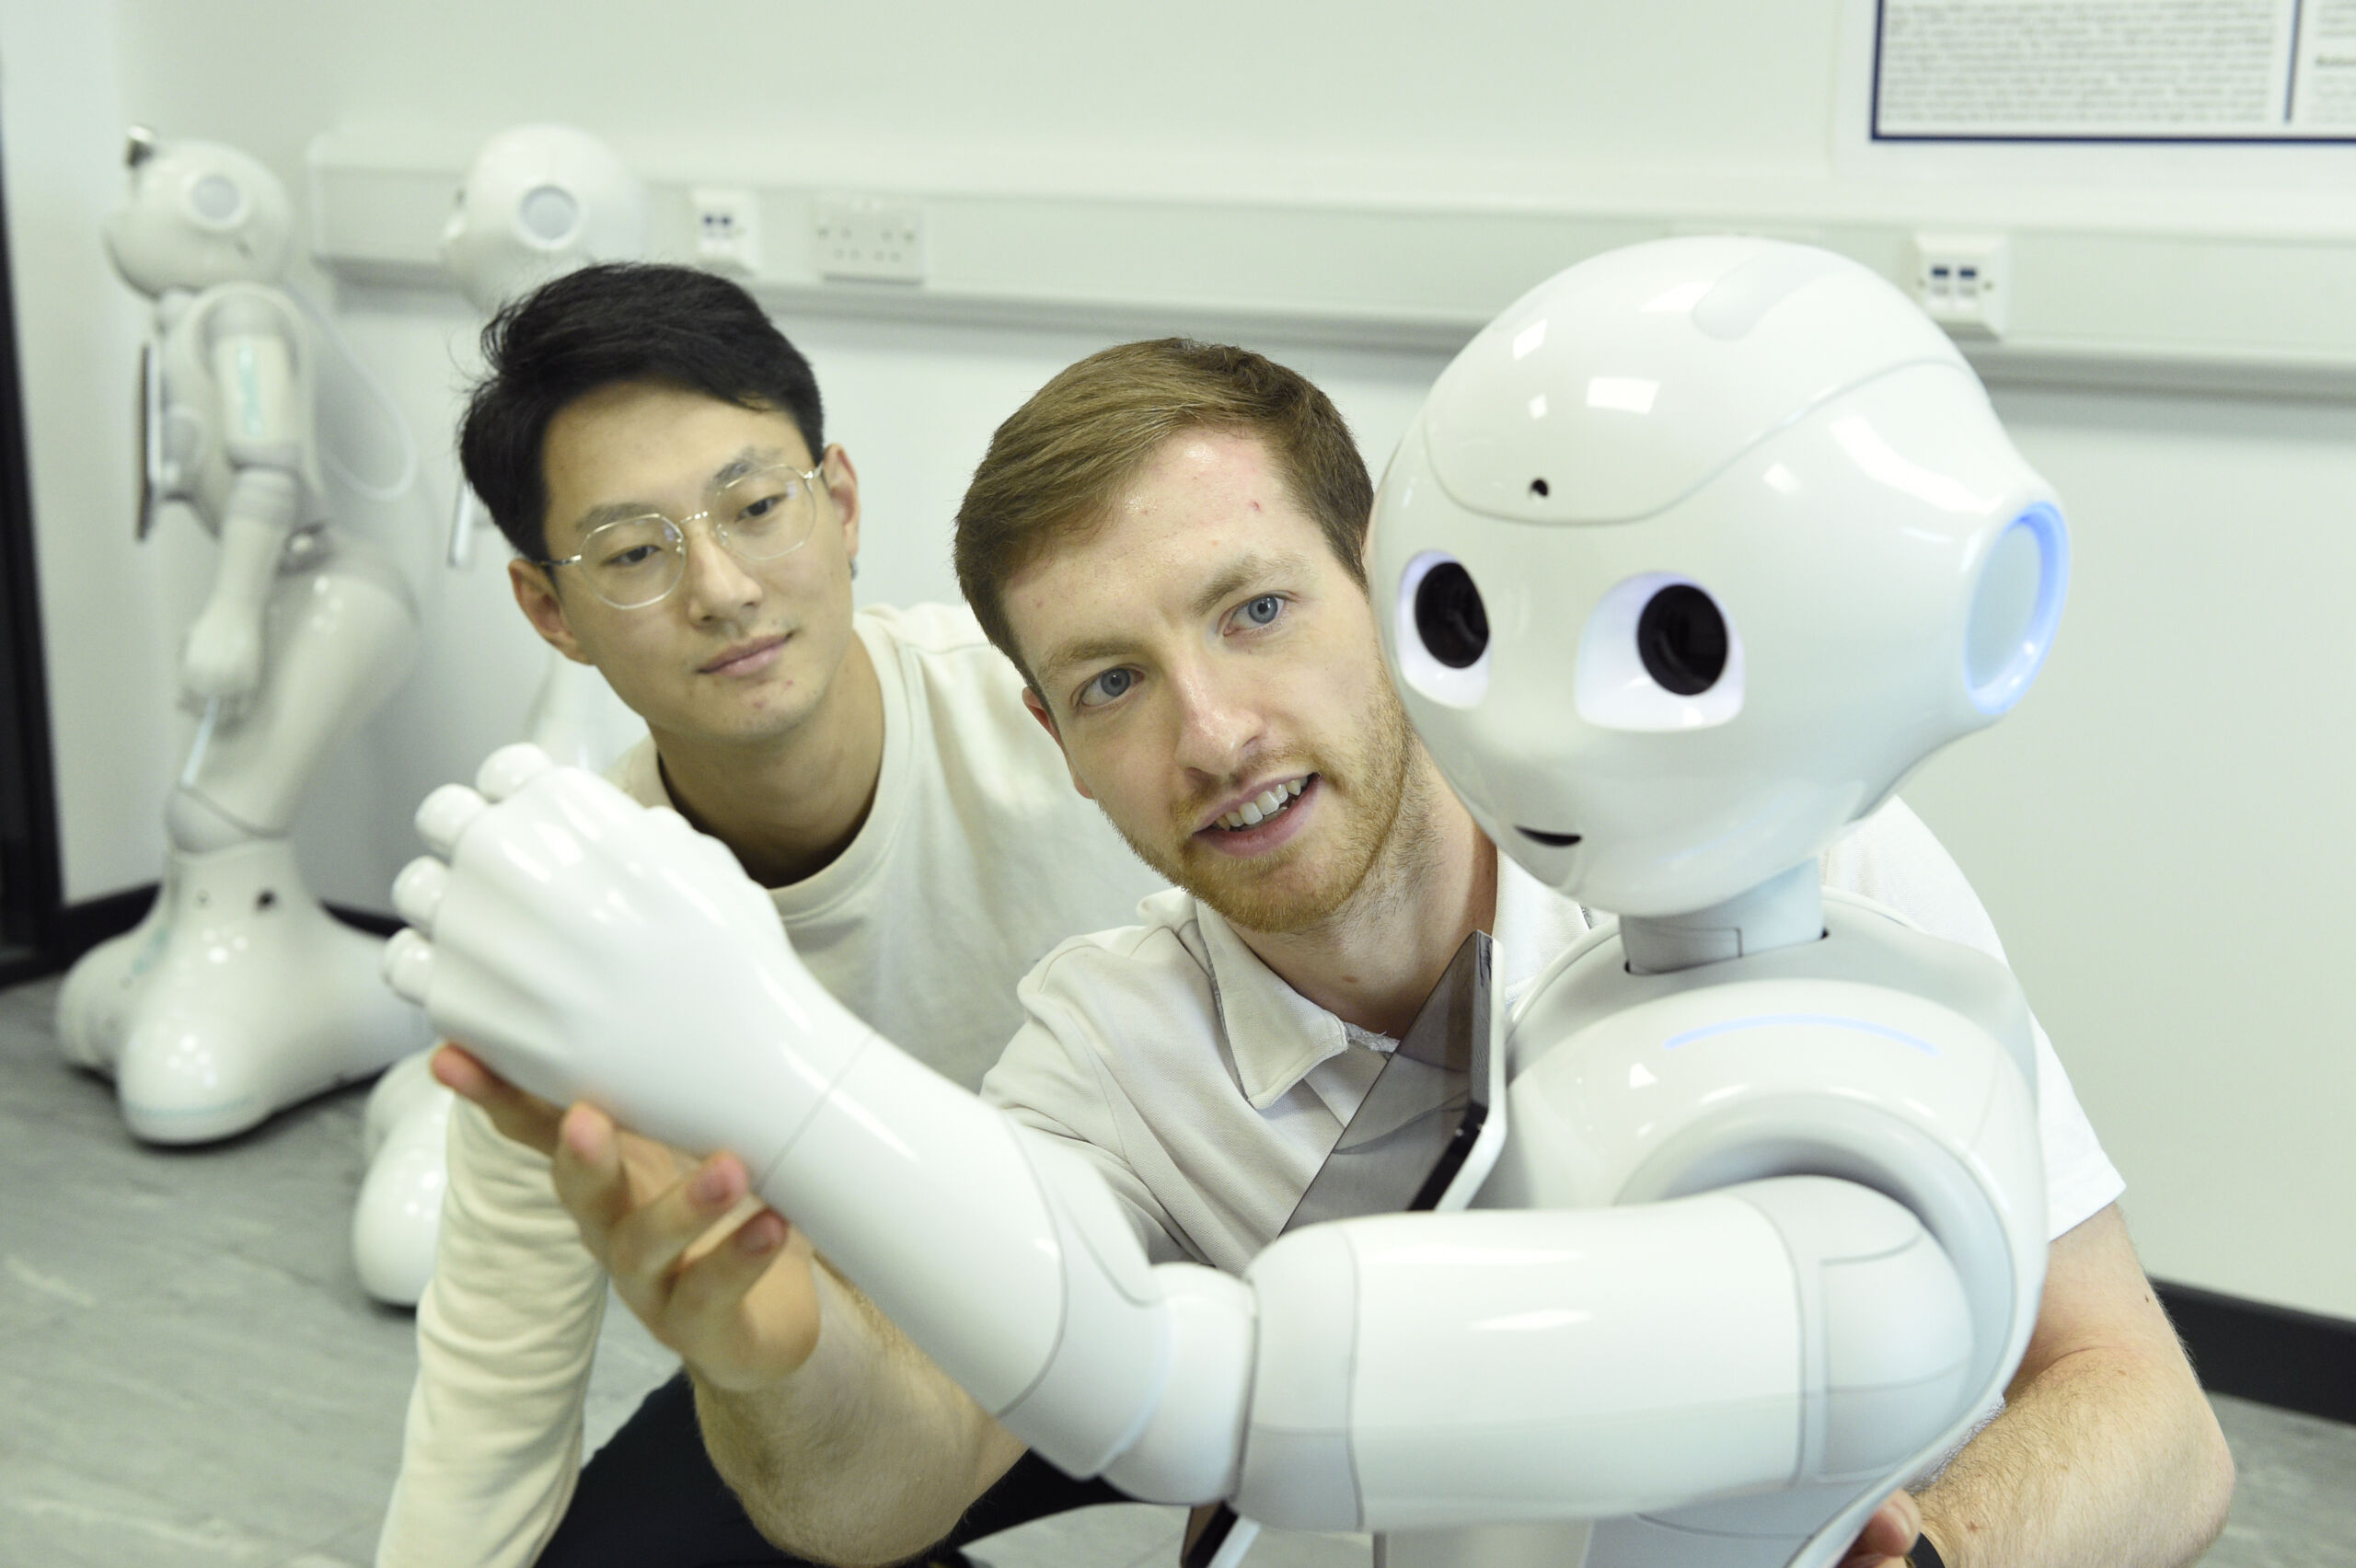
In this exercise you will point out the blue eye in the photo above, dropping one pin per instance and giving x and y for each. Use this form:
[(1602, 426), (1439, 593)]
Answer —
[(1108, 686), (1263, 609)]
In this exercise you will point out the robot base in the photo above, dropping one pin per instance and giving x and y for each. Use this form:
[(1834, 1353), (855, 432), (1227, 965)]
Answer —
[(237, 996), (399, 1216)]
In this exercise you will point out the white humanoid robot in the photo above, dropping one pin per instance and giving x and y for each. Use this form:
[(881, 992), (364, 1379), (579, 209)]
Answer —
[(1689, 558), (239, 995), (538, 201)]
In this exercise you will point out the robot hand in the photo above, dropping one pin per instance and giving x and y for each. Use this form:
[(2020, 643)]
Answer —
[(220, 660), (588, 948)]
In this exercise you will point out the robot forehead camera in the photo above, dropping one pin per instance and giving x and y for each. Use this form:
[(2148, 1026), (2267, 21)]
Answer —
[(540, 200), (1693, 554), (200, 215)]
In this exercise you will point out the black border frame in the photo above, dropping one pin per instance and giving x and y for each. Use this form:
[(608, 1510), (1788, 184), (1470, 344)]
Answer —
[(31, 863), (1875, 135)]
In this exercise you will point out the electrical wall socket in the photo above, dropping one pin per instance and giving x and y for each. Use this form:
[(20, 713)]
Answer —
[(1964, 281), (727, 223), (868, 237)]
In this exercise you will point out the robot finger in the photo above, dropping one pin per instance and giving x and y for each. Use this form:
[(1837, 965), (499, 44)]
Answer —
[(408, 965), (445, 814), (510, 767), (417, 892)]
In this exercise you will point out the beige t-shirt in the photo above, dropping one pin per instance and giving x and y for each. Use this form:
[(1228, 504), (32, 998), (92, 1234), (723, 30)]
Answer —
[(1208, 1091), (976, 858)]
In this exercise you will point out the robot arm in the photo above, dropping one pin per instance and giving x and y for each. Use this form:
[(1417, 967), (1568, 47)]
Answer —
[(1387, 1372), (253, 357), (1424, 1371)]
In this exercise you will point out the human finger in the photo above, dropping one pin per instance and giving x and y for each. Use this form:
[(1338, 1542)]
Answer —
[(652, 1238), (590, 1176), (1888, 1534), (745, 1312), (714, 1274), (526, 1118)]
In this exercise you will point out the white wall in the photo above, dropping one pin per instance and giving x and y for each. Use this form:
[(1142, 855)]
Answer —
[(2156, 830), (2163, 829)]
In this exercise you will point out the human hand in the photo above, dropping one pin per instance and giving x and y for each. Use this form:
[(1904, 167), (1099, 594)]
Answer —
[(720, 1279), (220, 660), (1889, 1535), (586, 947), (725, 1282)]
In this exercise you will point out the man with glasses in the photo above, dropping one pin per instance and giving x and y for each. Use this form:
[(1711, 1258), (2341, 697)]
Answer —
[(652, 449)]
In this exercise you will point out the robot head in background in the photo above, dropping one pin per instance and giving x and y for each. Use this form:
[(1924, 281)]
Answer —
[(1692, 554), (539, 201), (199, 213)]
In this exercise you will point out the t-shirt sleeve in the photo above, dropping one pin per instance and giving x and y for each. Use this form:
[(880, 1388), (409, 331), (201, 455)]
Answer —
[(1052, 1081), (1893, 859), (505, 1335)]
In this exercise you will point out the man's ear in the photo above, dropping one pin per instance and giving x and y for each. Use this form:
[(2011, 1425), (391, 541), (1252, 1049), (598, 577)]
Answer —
[(1038, 706), (842, 483), (536, 596)]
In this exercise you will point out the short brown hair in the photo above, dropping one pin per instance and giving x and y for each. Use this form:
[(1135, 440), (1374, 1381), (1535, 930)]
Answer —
[(1055, 469)]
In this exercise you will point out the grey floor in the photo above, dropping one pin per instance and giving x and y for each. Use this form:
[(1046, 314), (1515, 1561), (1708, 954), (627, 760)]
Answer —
[(189, 1374)]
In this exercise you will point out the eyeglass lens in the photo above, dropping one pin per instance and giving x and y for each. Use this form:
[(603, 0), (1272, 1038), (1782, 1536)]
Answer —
[(761, 517)]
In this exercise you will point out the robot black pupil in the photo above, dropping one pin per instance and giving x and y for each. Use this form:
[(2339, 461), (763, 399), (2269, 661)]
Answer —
[(1682, 640), (1449, 615)]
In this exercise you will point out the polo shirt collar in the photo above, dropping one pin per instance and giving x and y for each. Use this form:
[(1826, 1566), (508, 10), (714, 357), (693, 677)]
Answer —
[(1276, 1035)]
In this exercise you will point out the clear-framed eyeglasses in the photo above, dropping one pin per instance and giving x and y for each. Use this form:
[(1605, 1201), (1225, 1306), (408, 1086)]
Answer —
[(632, 562)]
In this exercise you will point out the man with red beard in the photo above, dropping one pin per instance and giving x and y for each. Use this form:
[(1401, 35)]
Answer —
[(1167, 540)]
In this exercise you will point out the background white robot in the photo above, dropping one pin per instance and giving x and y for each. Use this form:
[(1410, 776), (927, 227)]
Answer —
[(538, 201), (237, 994), (1689, 559)]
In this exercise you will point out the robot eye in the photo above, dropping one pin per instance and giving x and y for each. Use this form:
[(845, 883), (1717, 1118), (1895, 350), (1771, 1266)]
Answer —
[(1682, 638), (1443, 631), (1658, 653)]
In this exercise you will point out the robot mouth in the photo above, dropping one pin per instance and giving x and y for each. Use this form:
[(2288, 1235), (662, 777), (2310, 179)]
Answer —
[(1552, 840)]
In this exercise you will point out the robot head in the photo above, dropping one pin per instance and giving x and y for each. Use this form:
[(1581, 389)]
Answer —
[(199, 213), (1692, 554), (540, 200)]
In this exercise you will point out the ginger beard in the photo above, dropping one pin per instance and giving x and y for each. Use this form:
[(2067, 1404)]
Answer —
[(1371, 799)]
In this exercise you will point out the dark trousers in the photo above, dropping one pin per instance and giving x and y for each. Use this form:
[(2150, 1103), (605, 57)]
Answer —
[(651, 1499)]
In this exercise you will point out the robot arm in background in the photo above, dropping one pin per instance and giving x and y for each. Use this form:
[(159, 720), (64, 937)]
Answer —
[(252, 349), (1396, 1371)]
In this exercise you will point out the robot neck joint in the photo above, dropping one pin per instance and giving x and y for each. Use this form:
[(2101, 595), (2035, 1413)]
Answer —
[(1783, 911)]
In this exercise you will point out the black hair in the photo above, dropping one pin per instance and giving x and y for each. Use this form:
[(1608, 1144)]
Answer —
[(616, 322)]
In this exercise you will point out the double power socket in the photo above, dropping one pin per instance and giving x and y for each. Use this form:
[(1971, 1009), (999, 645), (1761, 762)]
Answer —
[(872, 238), (1964, 281)]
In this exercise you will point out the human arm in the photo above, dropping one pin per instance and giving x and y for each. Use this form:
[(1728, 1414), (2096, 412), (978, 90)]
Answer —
[(844, 1443), (2106, 1454), (507, 1334)]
